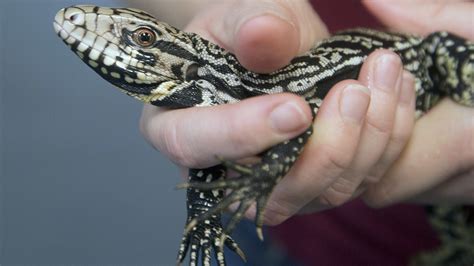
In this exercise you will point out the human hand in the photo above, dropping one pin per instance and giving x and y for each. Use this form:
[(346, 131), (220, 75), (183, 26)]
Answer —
[(359, 131), (438, 163)]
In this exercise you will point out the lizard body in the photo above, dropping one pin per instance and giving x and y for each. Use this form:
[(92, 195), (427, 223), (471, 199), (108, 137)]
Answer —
[(161, 65)]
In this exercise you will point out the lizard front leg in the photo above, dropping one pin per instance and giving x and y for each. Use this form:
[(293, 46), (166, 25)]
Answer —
[(255, 183), (203, 237)]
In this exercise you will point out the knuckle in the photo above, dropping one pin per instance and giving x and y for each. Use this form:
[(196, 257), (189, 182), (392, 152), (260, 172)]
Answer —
[(378, 170), (334, 160), (399, 139), (167, 133), (339, 192), (401, 134), (380, 126), (373, 178)]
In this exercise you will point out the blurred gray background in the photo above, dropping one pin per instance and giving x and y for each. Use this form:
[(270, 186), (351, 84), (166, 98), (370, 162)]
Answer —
[(78, 182)]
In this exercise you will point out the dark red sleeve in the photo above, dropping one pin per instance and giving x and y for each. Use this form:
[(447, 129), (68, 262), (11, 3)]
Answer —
[(343, 14)]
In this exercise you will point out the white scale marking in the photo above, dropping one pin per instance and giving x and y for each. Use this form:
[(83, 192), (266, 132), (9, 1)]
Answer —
[(93, 63), (100, 44), (108, 61), (64, 34), (70, 40), (115, 75), (112, 51), (78, 33), (89, 39), (94, 54), (90, 22), (121, 65), (82, 47), (128, 79)]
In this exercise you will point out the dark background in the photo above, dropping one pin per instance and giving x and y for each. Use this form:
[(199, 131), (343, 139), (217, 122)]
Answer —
[(78, 183)]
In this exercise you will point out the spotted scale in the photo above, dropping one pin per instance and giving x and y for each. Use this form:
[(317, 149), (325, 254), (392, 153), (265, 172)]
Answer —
[(161, 65)]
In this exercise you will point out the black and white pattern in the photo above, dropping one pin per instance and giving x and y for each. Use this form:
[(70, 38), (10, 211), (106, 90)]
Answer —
[(176, 69)]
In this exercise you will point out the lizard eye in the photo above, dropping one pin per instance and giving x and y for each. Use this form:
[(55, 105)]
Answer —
[(144, 37)]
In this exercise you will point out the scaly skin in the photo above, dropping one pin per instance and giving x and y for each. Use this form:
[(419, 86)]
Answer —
[(161, 65)]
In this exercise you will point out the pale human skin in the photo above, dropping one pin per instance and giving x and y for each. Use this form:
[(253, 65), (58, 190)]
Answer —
[(365, 143)]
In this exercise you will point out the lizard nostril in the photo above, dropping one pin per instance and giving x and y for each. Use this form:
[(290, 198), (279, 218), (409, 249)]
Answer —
[(73, 17)]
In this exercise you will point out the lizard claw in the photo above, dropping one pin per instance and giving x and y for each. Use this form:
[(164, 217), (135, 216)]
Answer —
[(203, 235), (204, 239), (255, 184)]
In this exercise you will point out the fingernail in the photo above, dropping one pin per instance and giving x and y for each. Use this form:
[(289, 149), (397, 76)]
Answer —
[(288, 117), (354, 102), (408, 89), (388, 69)]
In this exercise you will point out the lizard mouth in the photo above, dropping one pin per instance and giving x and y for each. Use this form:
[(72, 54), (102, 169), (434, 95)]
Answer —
[(71, 27), (57, 27), (96, 40), (97, 51)]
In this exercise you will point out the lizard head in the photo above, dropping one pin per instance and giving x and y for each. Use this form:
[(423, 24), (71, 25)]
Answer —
[(149, 60)]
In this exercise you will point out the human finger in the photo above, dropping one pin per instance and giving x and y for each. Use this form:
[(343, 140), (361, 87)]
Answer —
[(382, 73), (327, 154), (194, 137), (264, 35), (422, 166), (458, 190), (425, 16), (402, 129)]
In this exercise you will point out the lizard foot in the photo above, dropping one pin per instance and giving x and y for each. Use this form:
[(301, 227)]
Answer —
[(255, 183), (204, 238)]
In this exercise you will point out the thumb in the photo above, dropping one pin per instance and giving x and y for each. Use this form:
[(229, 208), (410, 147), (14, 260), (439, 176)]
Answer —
[(264, 35), (424, 16)]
